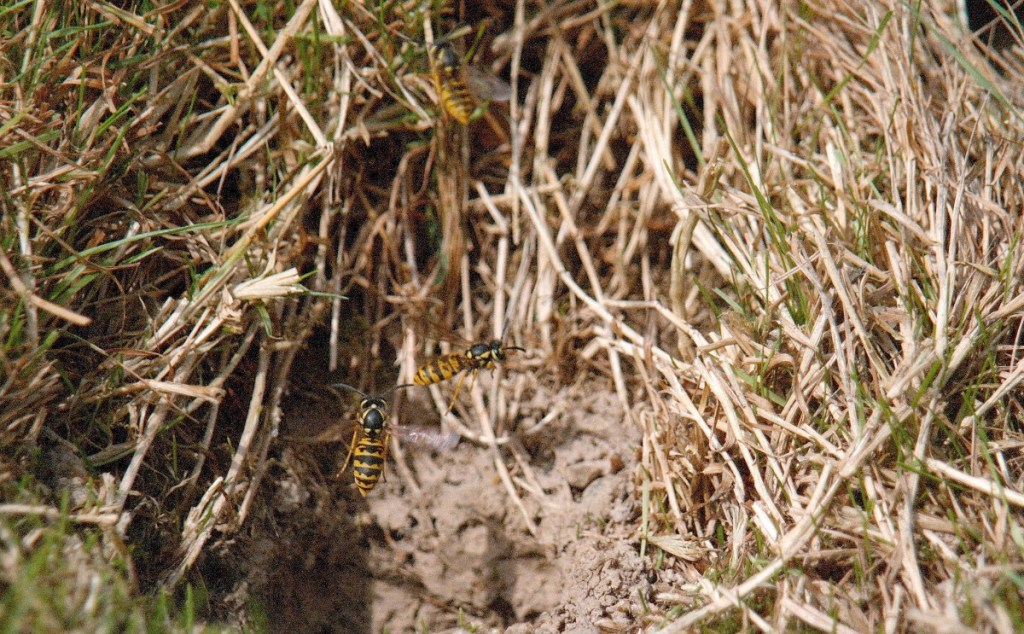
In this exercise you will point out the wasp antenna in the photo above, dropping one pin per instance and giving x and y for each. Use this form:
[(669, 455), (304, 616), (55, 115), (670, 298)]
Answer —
[(350, 388), (515, 348), (403, 36), (462, 30), (415, 44), (504, 331), (398, 387)]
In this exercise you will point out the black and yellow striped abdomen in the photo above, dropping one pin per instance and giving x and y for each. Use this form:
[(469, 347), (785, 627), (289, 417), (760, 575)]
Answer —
[(368, 461), (443, 368)]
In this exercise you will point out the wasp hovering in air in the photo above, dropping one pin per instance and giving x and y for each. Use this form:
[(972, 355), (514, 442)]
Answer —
[(462, 88), (369, 448), (479, 356)]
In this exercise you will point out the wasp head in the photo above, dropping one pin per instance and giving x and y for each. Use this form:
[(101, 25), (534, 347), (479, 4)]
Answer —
[(373, 413), (446, 57)]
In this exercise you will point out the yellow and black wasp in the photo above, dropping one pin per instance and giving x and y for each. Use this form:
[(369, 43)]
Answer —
[(461, 87), (479, 356), (369, 448)]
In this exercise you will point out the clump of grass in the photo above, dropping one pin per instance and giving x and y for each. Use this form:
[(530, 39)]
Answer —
[(60, 576), (158, 178), (859, 408)]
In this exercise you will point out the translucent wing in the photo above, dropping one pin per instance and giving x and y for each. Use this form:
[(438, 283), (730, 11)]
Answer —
[(486, 86), (428, 327), (427, 437)]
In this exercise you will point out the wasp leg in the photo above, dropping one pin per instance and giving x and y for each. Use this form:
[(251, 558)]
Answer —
[(387, 450), (458, 386), (351, 450)]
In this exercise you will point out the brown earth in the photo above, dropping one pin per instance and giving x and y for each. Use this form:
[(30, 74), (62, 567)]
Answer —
[(454, 549)]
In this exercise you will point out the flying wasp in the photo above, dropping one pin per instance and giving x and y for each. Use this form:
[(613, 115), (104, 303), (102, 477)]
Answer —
[(461, 87), (479, 356), (369, 448)]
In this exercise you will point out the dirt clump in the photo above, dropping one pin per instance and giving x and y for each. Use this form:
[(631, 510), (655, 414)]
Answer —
[(605, 584)]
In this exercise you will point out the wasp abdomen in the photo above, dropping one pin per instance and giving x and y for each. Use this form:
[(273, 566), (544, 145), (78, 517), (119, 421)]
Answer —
[(368, 463), (442, 368)]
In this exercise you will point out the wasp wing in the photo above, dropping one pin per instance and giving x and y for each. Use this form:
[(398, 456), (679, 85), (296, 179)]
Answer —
[(486, 86), (427, 437)]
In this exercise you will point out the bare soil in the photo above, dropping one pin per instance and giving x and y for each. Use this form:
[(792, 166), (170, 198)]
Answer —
[(453, 549)]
